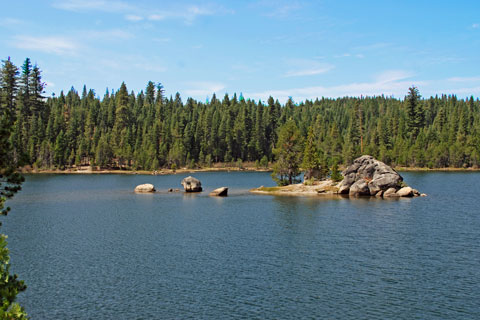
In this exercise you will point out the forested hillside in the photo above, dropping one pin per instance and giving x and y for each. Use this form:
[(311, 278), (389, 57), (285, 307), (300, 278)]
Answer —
[(147, 130)]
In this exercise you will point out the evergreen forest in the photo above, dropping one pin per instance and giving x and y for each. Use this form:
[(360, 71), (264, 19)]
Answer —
[(148, 131)]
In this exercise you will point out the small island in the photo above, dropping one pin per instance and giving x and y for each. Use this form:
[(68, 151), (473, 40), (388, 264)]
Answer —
[(365, 177)]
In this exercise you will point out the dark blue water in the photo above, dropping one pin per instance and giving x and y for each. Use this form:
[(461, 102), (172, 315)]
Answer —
[(90, 248)]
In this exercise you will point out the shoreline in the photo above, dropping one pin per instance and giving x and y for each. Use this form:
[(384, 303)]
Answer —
[(448, 169), (142, 172), (89, 170)]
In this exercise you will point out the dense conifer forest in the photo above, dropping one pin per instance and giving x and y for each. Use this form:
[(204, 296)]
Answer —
[(147, 130)]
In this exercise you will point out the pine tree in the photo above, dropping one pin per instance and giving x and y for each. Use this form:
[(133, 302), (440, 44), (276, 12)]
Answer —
[(415, 112), (288, 154), (311, 158), (10, 183)]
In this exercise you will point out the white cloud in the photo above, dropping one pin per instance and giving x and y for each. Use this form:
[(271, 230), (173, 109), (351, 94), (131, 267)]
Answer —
[(56, 45), (93, 5), (204, 88), (343, 55), (162, 40), (393, 75), (157, 17), (109, 34), (278, 9), (388, 83), (133, 17), (135, 13), (464, 79), (305, 67), (10, 22), (188, 14), (309, 72)]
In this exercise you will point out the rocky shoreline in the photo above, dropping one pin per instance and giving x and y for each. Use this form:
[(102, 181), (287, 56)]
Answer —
[(365, 177)]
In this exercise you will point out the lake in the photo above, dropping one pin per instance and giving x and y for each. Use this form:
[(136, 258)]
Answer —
[(89, 248)]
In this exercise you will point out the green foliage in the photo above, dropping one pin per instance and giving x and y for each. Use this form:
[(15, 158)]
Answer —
[(10, 183), (239, 164), (10, 286), (311, 158), (336, 175), (148, 130), (264, 162), (288, 154), (415, 112)]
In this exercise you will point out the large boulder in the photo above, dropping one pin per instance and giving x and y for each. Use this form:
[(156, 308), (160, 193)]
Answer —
[(359, 188), (368, 176), (220, 192), (147, 187), (191, 184)]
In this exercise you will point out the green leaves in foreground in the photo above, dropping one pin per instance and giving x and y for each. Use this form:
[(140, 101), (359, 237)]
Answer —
[(10, 286)]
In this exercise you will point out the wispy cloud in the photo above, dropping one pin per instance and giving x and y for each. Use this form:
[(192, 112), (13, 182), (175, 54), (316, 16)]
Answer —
[(162, 40), (136, 12), (56, 45), (278, 9), (188, 14), (393, 75), (10, 22), (115, 34), (464, 79), (133, 17), (204, 88), (301, 67), (392, 82), (93, 5), (475, 25)]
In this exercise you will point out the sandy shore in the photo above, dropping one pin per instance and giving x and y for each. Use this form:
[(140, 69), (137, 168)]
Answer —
[(327, 187), (89, 170)]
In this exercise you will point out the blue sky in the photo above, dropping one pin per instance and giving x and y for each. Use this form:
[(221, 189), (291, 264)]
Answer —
[(302, 49)]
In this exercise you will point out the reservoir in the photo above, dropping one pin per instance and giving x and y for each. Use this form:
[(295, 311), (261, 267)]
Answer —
[(88, 247)]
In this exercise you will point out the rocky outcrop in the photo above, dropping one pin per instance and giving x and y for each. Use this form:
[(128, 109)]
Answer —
[(220, 192), (370, 177), (191, 184), (147, 187)]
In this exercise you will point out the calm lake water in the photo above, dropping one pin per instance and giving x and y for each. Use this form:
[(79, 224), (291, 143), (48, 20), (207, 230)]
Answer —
[(90, 248)]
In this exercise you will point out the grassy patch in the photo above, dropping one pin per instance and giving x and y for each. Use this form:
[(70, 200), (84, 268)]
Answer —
[(269, 189)]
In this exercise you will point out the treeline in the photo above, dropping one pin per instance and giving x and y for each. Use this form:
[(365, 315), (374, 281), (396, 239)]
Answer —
[(148, 131)]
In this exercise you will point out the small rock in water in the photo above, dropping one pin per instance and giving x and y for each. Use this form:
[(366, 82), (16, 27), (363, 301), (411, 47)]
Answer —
[(147, 187), (191, 184), (220, 192), (405, 192), (390, 192)]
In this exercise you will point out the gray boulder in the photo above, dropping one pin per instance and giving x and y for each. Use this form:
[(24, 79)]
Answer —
[(405, 192), (368, 176), (359, 188), (147, 187), (220, 192), (191, 184), (390, 192)]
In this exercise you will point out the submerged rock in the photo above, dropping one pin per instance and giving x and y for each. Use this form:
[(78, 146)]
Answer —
[(191, 184), (147, 187), (220, 192)]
